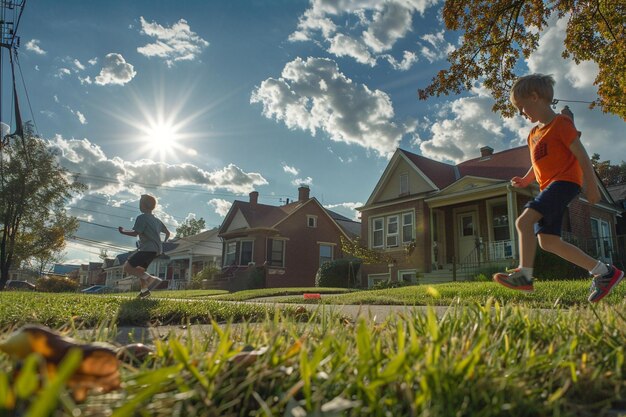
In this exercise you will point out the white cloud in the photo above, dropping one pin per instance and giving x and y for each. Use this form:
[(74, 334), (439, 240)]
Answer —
[(314, 95), (81, 118), (342, 45), (435, 47), (85, 80), (379, 26), (408, 59), (175, 43), (302, 181), (93, 61), (347, 209), (290, 170), (62, 72), (78, 65), (115, 71), (470, 125), (115, 176), (33, 46), (221, 206)]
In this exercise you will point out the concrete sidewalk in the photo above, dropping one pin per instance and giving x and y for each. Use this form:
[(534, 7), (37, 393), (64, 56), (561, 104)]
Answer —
[(374, 313)]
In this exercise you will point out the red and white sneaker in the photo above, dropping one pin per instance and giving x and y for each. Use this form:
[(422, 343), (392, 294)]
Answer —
[(515, 280), (602, 285)]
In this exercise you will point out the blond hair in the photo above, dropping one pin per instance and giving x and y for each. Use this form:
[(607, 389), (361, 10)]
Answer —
[(147, 202), (542, 85)]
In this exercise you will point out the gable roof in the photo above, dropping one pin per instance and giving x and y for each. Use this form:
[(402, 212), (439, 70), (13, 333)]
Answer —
[(264, 216), (440, 173), (502, 165), (203, 243)]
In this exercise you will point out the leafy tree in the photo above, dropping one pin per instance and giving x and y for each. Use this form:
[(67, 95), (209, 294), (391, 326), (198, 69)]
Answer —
[(609, 174), (43, 262), (359, 250), (497, 33), (33, 193), (190, 227)]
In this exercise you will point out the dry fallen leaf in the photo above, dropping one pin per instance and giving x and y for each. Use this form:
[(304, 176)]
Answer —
[(98, 370)]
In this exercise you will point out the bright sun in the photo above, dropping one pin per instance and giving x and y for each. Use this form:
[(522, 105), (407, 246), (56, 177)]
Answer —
[(161, 139), (162, 136)]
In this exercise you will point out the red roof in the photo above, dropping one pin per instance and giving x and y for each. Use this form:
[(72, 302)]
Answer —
[(501, 166), (440, 173)]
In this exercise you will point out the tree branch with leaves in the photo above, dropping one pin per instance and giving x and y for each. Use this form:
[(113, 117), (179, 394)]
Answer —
[(498, 33)]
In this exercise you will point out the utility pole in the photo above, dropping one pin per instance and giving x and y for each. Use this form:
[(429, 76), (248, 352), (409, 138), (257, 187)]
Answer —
[(10, 16)]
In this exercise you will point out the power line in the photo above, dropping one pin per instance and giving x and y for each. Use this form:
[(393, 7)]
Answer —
[(558, 100), (168, 188)]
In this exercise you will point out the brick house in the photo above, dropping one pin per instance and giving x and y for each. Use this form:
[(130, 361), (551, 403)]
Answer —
[(433, 218), (289, 242)]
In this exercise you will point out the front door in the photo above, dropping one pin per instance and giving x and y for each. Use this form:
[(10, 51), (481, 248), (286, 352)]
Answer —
[(467, 231)]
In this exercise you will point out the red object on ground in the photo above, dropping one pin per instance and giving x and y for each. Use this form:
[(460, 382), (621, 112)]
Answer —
[(310, 296)]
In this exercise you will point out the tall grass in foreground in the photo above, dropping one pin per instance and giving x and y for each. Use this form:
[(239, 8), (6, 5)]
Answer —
[(472, 361)]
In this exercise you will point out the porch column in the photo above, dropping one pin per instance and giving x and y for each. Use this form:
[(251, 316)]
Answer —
[(511, 207), (190, 264)]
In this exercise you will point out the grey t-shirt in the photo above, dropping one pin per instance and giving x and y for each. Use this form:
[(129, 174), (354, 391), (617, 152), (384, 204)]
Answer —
[(149, 229)]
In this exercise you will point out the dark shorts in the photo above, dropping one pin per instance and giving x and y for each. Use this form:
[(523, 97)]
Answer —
[(141, 259), (551, 203)]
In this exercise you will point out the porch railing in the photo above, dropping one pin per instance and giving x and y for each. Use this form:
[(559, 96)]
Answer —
[(610, 250)]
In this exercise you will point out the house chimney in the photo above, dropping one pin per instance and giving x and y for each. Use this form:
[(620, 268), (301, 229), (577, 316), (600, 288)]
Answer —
[(486, 151), (254, 197), (567, 112), (303, 193)]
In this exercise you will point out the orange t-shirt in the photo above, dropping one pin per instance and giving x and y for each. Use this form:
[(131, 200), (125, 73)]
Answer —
[(550, 152)]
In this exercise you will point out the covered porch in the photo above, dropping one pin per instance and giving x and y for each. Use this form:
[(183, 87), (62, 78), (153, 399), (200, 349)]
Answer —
[(473, 226)]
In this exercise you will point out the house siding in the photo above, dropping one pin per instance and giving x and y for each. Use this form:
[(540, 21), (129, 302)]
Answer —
[(301, 260), (419, 258)]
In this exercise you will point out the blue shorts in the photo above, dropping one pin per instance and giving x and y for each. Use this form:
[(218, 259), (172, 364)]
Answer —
[(141, 259), (551, 203)]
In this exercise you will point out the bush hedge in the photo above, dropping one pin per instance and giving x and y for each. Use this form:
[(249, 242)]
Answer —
[(340, 273), (56, 284)]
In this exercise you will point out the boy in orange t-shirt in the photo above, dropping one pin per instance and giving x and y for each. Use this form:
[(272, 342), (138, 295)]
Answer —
[(561, 166)]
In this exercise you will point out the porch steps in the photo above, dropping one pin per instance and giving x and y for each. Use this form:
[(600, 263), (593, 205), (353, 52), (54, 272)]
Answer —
[(440, 276)]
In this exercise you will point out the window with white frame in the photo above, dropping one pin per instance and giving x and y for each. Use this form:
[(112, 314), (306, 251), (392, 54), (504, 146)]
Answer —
[(601, 232), (378, 232), (407, 276), (392, 231), (276, 252), (407, 227), (373, 279), (245, 257), (231, 253), (388, 232), (311, 221), (326, 253)]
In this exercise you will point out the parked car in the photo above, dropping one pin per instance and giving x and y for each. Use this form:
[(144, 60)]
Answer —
[(98, 289), (15, 285)]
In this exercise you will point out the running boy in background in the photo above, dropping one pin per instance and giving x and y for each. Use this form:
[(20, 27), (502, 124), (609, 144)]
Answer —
[(149, 230), (561, 166)]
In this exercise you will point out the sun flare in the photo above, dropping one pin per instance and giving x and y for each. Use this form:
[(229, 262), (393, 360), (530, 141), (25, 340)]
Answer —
[(162, 136)]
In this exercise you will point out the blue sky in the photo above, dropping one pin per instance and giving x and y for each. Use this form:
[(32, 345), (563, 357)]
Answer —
[(201, 102)]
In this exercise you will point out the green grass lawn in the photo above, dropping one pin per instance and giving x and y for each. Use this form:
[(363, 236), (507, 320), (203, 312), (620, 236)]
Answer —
[(490, 354), (548, 294), (487, 361)]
